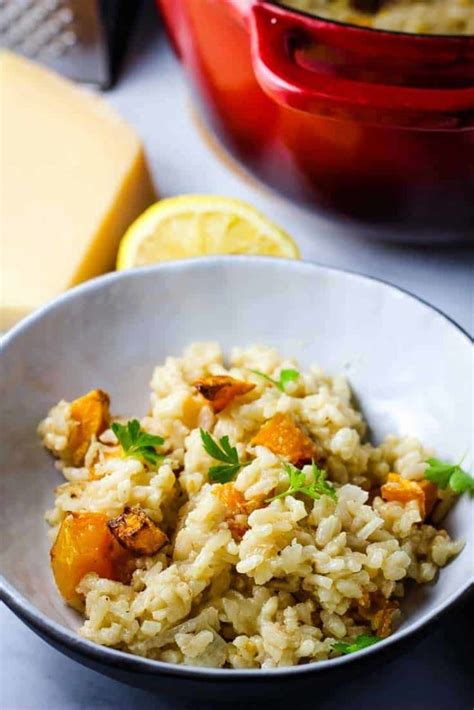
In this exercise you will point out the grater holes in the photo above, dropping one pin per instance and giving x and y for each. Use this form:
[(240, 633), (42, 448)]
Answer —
[(37, 27)]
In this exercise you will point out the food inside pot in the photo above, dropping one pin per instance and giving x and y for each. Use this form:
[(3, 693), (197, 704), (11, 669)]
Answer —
[(420, 16)]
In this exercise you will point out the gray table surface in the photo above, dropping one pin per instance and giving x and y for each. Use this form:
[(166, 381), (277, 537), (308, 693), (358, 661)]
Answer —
[(152, 96)]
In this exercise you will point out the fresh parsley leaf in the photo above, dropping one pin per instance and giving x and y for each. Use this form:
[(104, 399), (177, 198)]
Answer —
[(212, 448), (461, 481), (286, 376), (297, 483), (452, 475), (438, 472), (362, 641), (224, 473), (224, 452), (137, 443)]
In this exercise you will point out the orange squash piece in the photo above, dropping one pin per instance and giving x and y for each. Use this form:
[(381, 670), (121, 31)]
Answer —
[(233, 499), (379, 611), (403, 490), (221, 390), (85, 544), (238, 526), (383, 618), (137, 532), (284, 438), (430, 491), (237, 508), (91, 416)]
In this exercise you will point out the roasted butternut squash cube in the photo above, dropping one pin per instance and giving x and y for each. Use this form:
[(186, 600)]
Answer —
[(430, 492), (283, 437), (85, 544), (238, 526), (221, 390), (91, 417), (403, 490), (137, 532), (238, 508), (379, 611), (382, 622), (233, 499)]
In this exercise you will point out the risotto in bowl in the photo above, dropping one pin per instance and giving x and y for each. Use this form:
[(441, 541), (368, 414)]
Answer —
[(240, 519)]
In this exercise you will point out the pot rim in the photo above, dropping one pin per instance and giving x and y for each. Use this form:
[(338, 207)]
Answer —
[(69, 638), (409, 101), (425, 36)]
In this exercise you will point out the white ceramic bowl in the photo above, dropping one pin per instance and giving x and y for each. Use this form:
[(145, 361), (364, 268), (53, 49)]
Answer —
[(411, 369)]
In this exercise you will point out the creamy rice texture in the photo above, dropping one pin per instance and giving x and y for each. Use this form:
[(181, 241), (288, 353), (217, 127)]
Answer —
[(300, 573), (418, 16)]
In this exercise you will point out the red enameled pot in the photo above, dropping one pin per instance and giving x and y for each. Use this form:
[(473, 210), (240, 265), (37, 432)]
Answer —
[(375, 127)]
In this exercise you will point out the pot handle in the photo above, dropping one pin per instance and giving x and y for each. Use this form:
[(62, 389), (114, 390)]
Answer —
[(332, 84)]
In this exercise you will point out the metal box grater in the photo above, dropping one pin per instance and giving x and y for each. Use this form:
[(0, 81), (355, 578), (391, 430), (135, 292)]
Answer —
[(82, 39)]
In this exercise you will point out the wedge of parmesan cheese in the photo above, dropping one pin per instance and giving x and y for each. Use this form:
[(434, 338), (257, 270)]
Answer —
[(73, 176)]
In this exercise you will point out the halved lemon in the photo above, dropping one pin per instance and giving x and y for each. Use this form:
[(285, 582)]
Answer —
[(198, 225)]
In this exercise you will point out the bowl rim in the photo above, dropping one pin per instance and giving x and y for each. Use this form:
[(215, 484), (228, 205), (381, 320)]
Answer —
[(65, 637)]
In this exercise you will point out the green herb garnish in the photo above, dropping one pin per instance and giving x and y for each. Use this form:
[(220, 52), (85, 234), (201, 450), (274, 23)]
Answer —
[(452, 475), (224, 452), (297, 479), (362, 641), (286, 376), (137, 443)]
